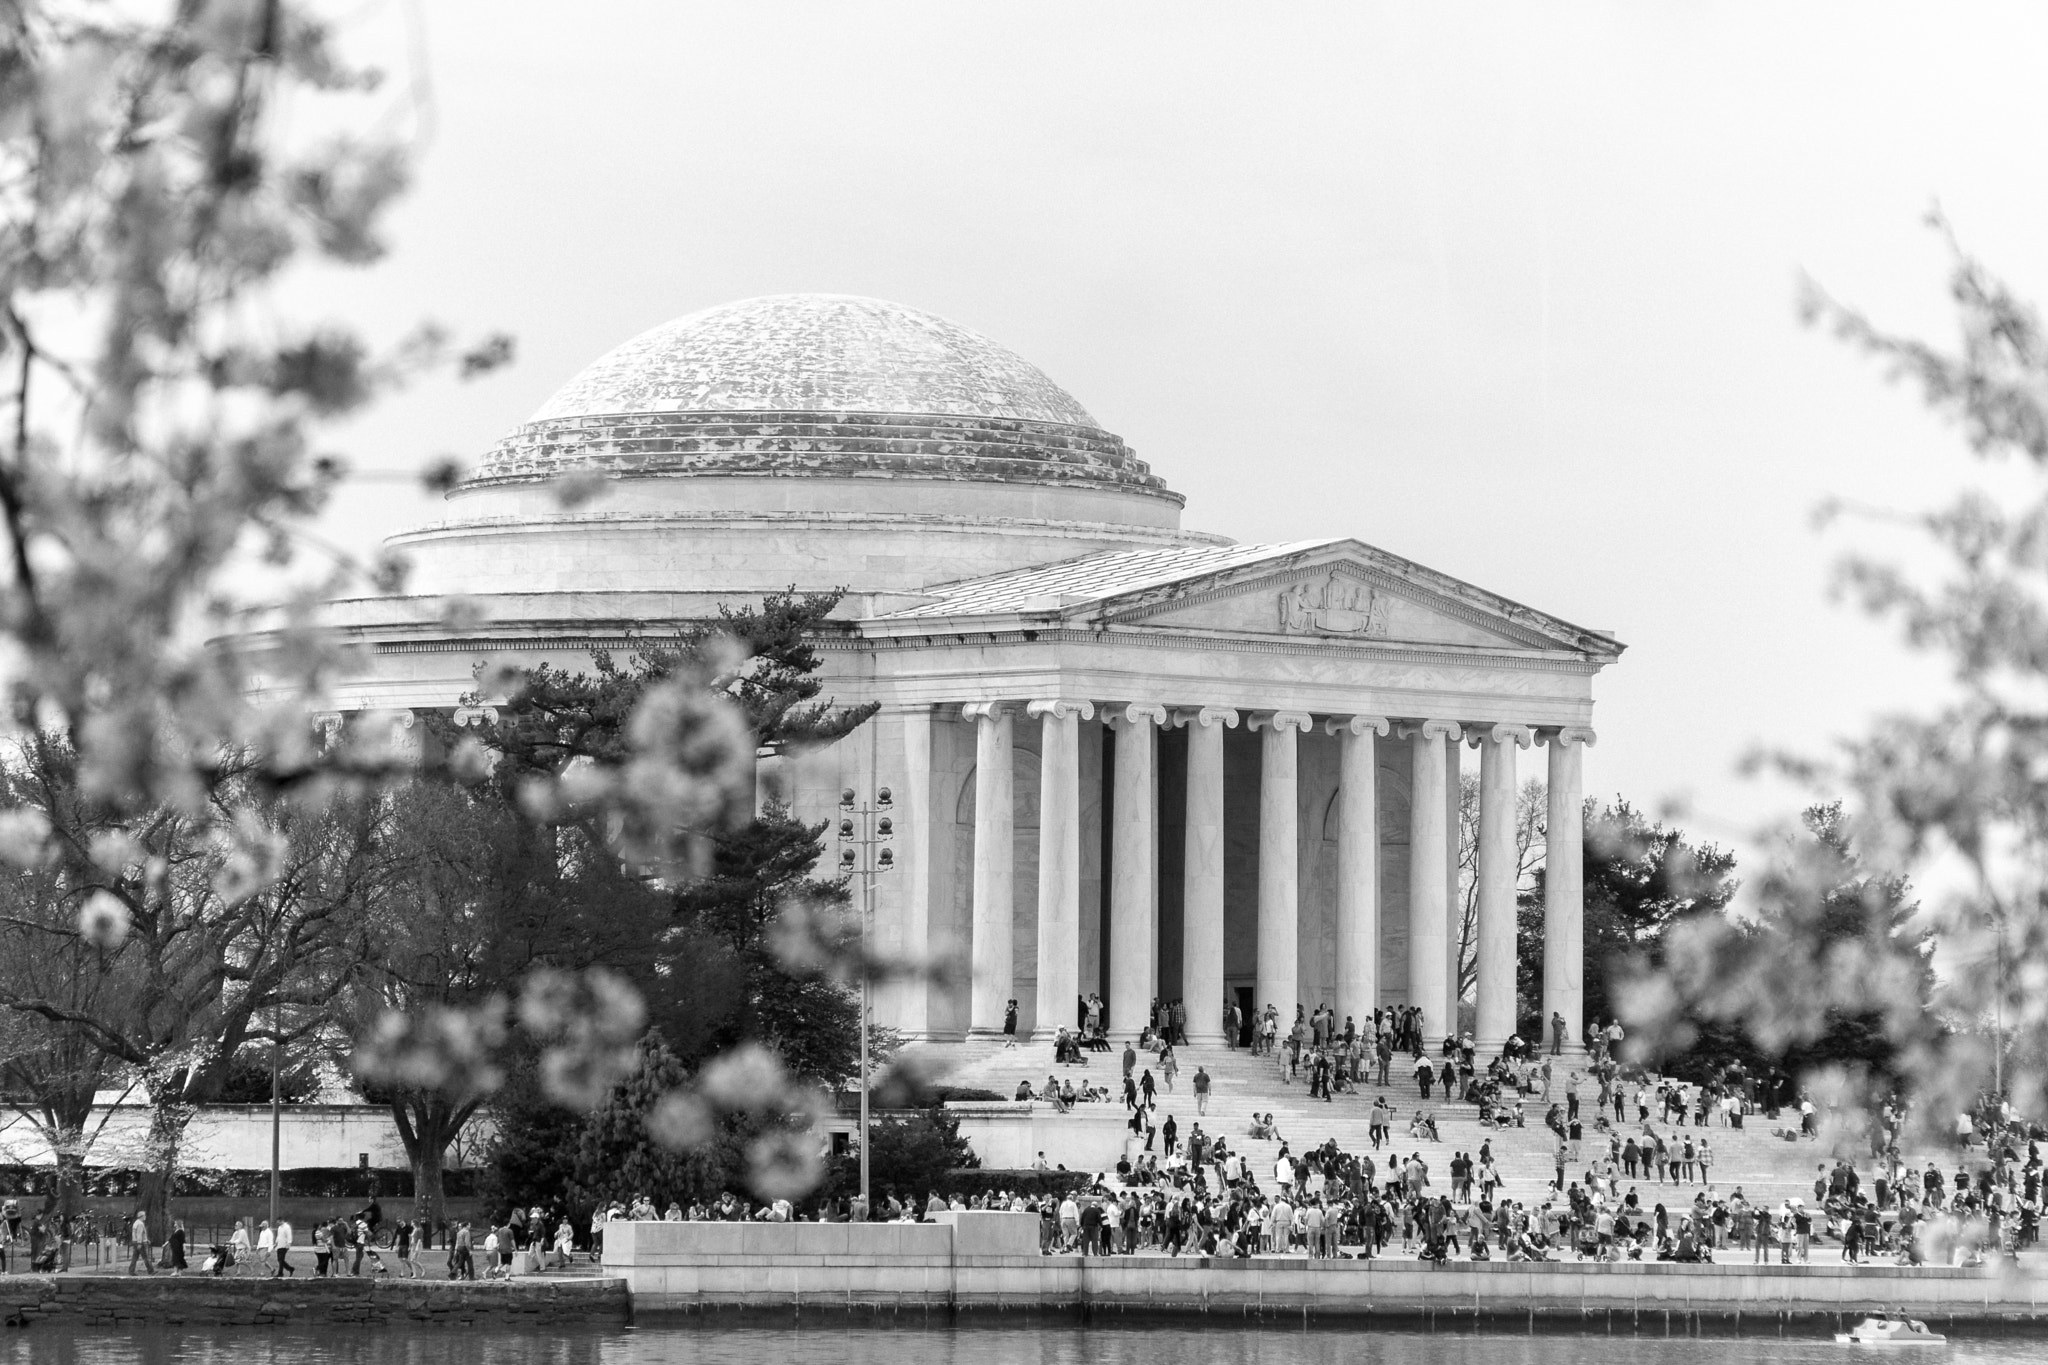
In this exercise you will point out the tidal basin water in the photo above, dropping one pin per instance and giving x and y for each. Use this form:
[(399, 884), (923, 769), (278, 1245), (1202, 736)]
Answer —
[(917, 1343)]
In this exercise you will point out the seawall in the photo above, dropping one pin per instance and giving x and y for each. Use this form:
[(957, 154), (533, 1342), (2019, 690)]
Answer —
[(118, 1300), (988, 1262)]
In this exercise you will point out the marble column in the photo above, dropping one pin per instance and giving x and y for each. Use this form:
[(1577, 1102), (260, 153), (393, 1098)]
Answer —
[(1133, 869), (1496, 874), (1428, 906), (1358, 862), (994, 822), (915, 831), (1564, 901), (1201, 952), (1278, 979), (1059, 864)]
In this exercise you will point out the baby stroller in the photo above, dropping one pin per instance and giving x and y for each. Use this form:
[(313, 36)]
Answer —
[(219, 1256)]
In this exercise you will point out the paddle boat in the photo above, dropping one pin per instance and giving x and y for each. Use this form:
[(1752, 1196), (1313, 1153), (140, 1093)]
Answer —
[(1890, 1330)]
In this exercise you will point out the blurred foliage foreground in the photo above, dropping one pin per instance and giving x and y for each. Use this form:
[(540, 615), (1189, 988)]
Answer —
[(571, 900)]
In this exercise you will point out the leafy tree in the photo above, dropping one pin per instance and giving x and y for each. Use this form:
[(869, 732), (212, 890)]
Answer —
[(1641, 878), (906, 1152), (472, 899), (1953, 785), (530, 1157), (236, 925)]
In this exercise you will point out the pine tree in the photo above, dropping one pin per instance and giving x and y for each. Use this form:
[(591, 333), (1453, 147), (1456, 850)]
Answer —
[(617, 1156)]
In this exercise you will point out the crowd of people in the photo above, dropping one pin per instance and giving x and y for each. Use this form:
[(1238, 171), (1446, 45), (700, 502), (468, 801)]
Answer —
[(362, 1242), (1615, 1130)]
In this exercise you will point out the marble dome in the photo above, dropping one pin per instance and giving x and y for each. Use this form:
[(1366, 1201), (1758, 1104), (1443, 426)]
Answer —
[(824, 385), (815, 353)]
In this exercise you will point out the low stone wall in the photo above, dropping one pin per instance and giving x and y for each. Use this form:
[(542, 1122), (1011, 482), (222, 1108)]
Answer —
[(113, 1300), (1009, 1135), (991, 1261)]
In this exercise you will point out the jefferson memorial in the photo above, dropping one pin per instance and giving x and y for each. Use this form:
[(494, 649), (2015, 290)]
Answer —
[(1125, 757)]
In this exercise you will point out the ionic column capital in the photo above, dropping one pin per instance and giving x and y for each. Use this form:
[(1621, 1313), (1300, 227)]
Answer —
[(1569, 735), (1059, 708), (1134, 713), (1282, 721), (1356, 725), (1430, 729), (985, 710), (1206, 716), (1521, 736)]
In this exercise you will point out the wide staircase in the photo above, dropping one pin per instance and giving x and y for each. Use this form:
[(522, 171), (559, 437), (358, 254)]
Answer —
[(1763, 1165)]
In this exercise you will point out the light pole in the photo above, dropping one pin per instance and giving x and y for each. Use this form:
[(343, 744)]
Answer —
[(864, 830), (276, 1110)]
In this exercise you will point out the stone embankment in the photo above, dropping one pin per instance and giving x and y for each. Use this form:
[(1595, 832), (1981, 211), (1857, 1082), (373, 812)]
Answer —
[(990, 1261), (203, 1300)]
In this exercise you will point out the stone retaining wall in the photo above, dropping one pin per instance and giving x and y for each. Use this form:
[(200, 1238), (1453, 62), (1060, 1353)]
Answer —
[(990, 1261), (111, 1300)]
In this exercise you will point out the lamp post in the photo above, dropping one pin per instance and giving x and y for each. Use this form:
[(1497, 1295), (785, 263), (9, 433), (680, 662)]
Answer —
[(276, 1110), (865, 829)]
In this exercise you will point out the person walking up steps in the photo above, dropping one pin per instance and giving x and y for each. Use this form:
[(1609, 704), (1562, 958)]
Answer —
[(1201, 1090)]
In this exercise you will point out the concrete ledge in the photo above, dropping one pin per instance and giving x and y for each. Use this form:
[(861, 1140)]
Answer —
[(990, 1260)]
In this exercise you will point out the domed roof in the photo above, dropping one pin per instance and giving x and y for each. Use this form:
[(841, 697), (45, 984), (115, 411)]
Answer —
[(815, 353), (824, 385)]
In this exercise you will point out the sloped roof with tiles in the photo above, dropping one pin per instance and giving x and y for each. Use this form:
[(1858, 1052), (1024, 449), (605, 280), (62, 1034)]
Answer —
[(1095, 577)]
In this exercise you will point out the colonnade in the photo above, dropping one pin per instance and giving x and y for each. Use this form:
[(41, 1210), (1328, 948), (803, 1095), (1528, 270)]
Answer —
[(1134, 874)]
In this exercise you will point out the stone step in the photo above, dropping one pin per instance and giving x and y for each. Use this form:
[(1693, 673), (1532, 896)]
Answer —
[(1242, 1085)]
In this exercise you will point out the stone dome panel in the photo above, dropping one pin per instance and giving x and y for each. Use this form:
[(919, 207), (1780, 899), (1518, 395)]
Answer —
[(815, 353)]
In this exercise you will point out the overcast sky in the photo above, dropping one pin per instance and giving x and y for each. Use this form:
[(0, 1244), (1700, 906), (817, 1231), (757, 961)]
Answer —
[(1507, 290)]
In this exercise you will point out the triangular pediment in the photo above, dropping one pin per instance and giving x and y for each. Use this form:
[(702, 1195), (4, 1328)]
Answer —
[(1306, 590), (1345, 590)]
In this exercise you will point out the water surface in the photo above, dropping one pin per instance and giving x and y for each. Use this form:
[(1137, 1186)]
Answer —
[(934, 1342)]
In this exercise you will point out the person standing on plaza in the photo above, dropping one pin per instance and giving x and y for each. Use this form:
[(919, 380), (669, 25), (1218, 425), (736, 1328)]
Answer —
[(1169, 1065), (1201, 1090), (1557, 1033)]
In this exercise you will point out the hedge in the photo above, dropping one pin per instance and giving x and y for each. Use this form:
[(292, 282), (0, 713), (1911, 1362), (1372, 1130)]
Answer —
[(304, 1182)]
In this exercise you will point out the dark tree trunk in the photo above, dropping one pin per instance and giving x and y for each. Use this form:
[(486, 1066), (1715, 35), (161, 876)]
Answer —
[(427, 1123), (70, 1183), (167, 1122)]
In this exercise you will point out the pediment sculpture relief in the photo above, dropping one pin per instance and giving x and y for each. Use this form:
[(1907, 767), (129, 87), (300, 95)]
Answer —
[(1336, 606)]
